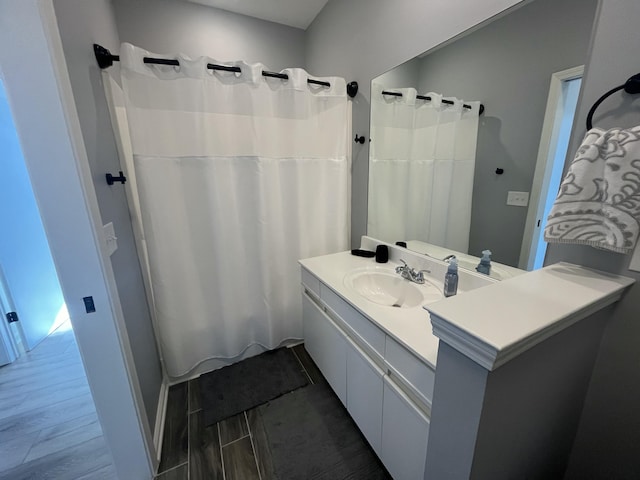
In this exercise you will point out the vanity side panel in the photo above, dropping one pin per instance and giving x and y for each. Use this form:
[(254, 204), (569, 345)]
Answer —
[(532, 406), (455, 415)]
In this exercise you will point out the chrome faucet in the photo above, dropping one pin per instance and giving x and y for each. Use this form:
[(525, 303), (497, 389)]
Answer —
[(410, 273)]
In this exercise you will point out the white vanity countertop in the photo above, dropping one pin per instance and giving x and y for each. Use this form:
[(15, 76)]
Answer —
[(408, 326), (498, 322)]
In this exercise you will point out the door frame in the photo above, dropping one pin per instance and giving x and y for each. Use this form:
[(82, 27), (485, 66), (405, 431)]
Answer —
[(544, 164), (39, 91)]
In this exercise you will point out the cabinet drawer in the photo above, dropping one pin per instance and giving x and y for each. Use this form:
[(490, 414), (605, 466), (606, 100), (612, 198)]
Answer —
[(364, 394), (405, 435), (326, 345), (410, 369), (310, 281), (360, 324)]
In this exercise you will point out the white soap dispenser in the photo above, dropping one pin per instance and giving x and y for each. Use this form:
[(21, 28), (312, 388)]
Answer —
[(451, 278), (485, 263)]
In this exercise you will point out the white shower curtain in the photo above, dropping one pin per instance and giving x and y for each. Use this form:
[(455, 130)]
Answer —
[(421, 169), (238, 177)]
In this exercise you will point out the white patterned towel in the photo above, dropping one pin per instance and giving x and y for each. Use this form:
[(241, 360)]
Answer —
[(599, 199)]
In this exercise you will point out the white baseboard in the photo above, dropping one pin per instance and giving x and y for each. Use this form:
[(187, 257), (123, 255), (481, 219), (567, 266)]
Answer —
[(161, 413)]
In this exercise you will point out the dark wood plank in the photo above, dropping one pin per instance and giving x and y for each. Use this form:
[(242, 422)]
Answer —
[(260, 445), (308, 364), (180, 473), (175, 443), (194, 395), (205, 458), (233, 428), (239, 462)]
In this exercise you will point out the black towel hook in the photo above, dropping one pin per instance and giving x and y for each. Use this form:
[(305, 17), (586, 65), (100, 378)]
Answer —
[(631, 86), (111, 179)]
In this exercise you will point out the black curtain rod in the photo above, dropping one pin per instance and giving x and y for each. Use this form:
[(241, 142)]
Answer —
[(424, 97), (105, 59)]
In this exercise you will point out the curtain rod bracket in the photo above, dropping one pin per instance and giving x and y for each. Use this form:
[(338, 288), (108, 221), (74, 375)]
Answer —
[(104, 57), (352, 89)]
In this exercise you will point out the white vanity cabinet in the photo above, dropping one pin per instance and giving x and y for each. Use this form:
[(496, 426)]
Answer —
[(386, 389), (364, 395), (405, 431), (326, 344)]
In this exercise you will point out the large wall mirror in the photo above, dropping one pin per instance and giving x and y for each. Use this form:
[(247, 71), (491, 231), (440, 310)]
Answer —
[(443, 173)]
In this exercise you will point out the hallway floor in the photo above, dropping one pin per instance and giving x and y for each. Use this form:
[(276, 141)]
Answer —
[(48, 424)]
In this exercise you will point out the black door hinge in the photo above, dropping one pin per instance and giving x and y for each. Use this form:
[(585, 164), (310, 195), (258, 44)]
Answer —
[(12, 317)]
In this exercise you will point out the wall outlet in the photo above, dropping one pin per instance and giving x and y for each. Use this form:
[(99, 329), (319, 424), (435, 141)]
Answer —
[(518, 199), (111, 241)]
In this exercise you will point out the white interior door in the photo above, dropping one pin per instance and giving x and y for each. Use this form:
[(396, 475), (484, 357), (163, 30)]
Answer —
[(8, 351), (11, 337)]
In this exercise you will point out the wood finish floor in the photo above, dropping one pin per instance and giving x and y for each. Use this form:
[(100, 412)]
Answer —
[(233, 449), (48, 424)]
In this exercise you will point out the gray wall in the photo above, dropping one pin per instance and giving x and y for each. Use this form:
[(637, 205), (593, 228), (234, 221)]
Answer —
[(167, 26), (82, 23), (507, 65), (403, 76), (25, 256), (608, 439), (361, 39)]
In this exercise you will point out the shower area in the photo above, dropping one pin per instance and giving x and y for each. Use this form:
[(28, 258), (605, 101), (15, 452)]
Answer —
[(233, 173)]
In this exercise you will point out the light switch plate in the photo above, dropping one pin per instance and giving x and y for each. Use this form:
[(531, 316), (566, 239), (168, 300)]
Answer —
[(111, 241), (518, 199)]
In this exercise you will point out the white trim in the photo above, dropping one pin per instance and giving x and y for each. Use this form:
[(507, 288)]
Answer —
[(490, 357), (63, 81), (161, 415), (541, 177)]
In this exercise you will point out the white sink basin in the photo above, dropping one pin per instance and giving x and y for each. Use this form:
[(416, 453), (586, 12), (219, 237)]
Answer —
[(385, 287)]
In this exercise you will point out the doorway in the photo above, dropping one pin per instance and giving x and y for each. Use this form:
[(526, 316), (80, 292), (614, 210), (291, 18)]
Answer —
[(37, 82), (554, 143), (29, 281), (47, 413)]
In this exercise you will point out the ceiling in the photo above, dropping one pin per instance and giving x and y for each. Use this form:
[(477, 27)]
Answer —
[(295, 13)]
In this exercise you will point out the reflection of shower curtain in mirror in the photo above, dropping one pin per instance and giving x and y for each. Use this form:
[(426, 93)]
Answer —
[(421, 169), (238, 176)]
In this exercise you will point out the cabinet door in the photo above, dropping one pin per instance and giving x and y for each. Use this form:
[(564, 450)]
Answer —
[(327, 346), (364, 394), (405, 430)]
